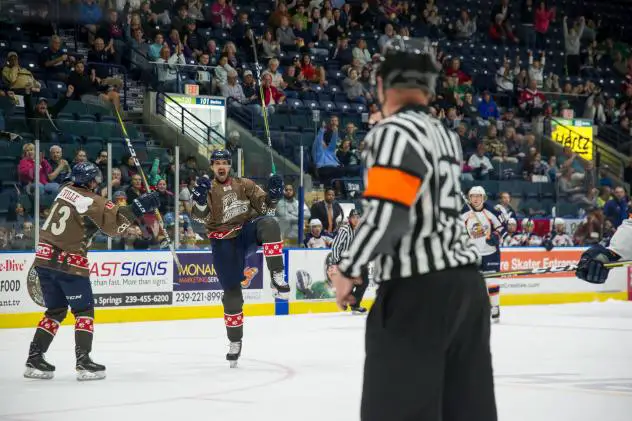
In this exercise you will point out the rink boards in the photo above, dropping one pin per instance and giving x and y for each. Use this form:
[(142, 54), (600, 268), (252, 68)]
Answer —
[(146, 285)]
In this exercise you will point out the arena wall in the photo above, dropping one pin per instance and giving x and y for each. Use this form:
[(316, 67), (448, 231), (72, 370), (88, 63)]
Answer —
[(134, 286)]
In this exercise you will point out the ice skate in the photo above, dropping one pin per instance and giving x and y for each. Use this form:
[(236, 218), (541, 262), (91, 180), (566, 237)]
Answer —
[(495, 314), (234, 352), (37, 367), (280, 287), (88, 369), (358, 310)]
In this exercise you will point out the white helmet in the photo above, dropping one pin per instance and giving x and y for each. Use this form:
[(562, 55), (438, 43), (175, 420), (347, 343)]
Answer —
[(478, 190), (512, 221), (527, 222), (559, 221)]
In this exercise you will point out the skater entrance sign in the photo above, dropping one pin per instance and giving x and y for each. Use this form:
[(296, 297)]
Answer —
[(145, 285)]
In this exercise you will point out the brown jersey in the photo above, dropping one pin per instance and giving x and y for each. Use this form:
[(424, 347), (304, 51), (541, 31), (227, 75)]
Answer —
[(76, 215), (230, 206)]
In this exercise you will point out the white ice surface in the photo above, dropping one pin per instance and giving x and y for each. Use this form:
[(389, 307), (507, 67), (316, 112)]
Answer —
[(552, 363)]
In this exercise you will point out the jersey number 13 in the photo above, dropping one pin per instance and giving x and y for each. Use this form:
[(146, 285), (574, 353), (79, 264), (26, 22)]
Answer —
[(61, 214)]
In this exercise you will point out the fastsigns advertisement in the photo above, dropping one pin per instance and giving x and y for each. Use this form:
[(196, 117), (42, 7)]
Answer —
[(124, 279), (119, 279), (198, 283)]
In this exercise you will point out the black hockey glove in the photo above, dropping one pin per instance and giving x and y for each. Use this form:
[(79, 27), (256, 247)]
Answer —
[(146, 203), (547, 243), (493, 240), (200, 193), (591, 264), (275, 188)]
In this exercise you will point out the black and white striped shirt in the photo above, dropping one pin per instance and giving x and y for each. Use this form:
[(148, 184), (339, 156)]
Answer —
[(343, 240), (411, 223)]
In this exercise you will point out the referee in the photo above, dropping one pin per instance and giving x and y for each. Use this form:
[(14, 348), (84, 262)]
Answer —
[(428, 333), (343, 240)]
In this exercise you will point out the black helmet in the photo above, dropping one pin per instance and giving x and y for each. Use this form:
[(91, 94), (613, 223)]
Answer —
[(409, 63), (221, 155), (84, 172)]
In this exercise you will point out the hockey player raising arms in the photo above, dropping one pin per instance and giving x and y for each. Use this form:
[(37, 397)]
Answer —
[(485, 226), (61, 263), (234, 212)]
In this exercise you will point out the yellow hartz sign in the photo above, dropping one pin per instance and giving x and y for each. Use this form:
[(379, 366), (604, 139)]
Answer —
[(576, 134)]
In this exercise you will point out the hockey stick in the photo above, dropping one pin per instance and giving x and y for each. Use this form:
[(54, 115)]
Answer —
[(552, 269), (264, 109), (144, 178)]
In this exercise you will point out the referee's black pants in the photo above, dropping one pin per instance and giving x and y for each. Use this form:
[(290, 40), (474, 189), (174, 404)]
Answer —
[(427, 350)]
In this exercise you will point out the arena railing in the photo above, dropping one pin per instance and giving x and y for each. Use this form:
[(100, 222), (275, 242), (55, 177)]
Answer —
[(188, 124)]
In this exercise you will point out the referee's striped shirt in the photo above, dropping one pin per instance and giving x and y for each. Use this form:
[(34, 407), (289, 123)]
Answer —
[(411, 223), (341, 243)]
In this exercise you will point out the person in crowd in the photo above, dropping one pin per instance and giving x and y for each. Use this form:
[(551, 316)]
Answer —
[(616, 209), (27, 173), (329, 211), (287, 211), (572, 45), (480, 165), (59, 166)]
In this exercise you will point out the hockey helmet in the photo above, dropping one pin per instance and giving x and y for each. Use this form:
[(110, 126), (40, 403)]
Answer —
[(84, 172), (527, 222), (409, 63), (559, 221), (512, 221), (221, 155), (478, 190)]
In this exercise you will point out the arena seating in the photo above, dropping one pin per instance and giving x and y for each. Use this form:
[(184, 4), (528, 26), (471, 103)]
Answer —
[(90, 127)]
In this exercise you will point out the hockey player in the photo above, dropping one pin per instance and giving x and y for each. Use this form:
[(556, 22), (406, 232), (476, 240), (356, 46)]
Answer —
[(61, 263), (343, 240), (512, 237), (234, 212), (558, 236), (591, 264), (484, 225), (528, 237)]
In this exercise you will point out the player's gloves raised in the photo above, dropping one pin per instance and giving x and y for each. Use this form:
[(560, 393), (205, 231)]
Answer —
[(591, 264), (146, 203), (200, 192), (275, 188), (493, 240)]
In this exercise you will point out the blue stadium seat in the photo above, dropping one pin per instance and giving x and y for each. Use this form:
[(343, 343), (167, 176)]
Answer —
[(57, 88), (66, 116), (295, 103), (327, 106), (343, 106), (8, 172), (88, 117), (531, 190)]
